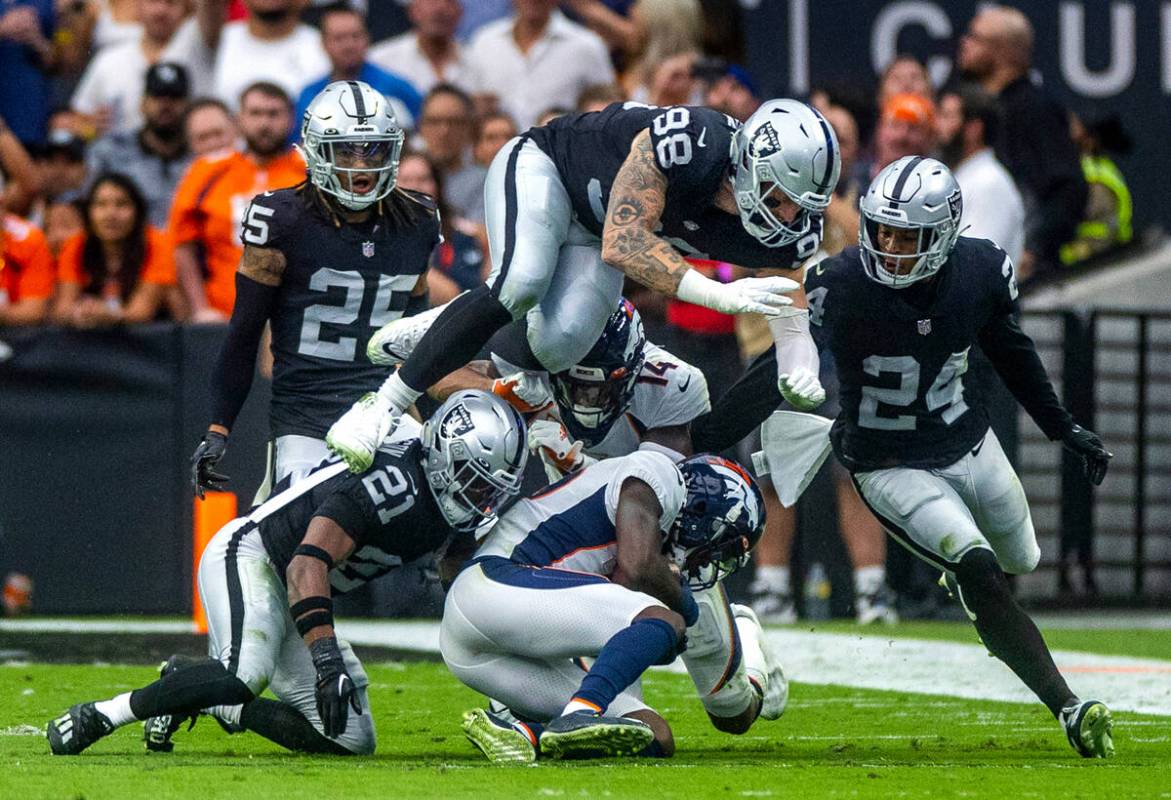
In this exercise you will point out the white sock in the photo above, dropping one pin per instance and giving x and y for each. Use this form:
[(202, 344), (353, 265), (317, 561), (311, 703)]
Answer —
[(773, 578), (396, 392), (750, 648), (868, 580), (117, 710), (579, 705), (229, 714)]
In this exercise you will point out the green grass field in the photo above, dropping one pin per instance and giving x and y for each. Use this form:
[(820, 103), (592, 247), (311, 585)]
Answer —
[(833, 742)]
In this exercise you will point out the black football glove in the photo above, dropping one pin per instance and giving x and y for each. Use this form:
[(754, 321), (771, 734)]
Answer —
[(203, 463), (336, 692), (1086, 444)]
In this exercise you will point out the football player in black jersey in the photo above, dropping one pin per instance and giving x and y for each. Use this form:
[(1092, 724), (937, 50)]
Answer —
[(326, 263), (899, 314), (267, 582), (577, 205)]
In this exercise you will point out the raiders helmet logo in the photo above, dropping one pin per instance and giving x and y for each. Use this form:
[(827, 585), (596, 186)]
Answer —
[(764, 142), (955, 205), (456, 423)]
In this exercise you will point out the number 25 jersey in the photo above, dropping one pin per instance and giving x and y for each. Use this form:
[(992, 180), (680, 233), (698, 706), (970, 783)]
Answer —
[(342, 282)]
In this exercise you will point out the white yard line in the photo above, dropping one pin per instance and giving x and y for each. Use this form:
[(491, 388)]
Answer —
[(1126, 683)]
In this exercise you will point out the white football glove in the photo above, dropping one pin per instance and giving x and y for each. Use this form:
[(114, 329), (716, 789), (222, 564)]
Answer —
[(802, 389), (747, 295), (527, 392), (359, 431), (549, 439)]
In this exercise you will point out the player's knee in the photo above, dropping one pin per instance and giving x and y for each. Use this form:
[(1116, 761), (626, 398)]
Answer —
[(518, 295), (359, 740), (981, 580), (1022, 562), (666, 615)]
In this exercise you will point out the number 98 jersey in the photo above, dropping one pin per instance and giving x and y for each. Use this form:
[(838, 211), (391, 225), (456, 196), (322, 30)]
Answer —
[(901, 354), (342, 282), (692, 147)]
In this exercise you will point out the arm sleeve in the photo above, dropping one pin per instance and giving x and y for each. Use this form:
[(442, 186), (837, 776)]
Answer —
[(742, 409), (347, 513), (237, 360)]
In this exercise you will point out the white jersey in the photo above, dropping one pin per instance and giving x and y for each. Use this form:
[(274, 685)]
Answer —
[(669, 391), (570, 525)]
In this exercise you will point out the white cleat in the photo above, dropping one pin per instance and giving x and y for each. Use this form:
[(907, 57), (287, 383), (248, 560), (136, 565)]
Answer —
[(761, 664), (394, 342)]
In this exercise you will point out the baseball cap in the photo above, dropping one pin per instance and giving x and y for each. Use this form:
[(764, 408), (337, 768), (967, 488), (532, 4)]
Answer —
[(167, 79), (912, 108), (65, 142)]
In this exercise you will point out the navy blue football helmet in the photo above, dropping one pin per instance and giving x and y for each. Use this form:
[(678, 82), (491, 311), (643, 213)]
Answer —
[(722, 519), (592, 394)]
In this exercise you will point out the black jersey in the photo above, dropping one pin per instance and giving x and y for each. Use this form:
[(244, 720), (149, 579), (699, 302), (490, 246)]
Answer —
[(692, 148), (901, 355), (388, 511), (340, 285)]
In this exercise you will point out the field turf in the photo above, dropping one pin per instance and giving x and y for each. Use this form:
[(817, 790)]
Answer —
[(833, 742)]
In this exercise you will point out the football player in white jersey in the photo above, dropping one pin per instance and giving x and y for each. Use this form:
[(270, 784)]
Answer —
[(601, 565), (624, 394)]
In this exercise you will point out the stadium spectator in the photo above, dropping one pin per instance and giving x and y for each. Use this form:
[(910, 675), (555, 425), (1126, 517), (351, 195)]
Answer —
[(458, 262), (733, 93), (60, 164), (428, 54), (61, 220), (120, 269), (550, 114), (155, 156), (906, 127), (346, 41), (672, 83), (968, 123), (1034, 145), (209, 127), (666, 28), (598, 96), (24, 180), (447, 127), (109, 95), (611, 20), (906, 74), (210, 201), (478, 13), (113, 21), (534, 60), (271, 45), (26, 269), (493, 132), (26, 50), (1108, 220), (841, 218)]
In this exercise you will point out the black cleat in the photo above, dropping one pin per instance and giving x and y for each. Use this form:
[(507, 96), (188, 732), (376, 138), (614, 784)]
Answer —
[(584, 734), (77, 729), (1089, 728)]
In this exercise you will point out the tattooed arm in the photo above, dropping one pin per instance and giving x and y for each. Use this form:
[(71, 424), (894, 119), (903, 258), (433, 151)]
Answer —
[(637, 199)]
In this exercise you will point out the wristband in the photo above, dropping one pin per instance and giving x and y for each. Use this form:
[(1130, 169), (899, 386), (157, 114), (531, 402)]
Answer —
[(312, 551), (313, 620)]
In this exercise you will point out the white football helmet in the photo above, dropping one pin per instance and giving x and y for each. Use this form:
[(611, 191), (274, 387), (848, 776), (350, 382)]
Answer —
[(785, 146), (918, 194), (475, 452), (351, 143)]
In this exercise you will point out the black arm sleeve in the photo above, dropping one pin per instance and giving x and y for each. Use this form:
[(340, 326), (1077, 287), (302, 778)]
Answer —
[(237, 359), (417, 304), (742, 409), (348, 514), (1015, 358)]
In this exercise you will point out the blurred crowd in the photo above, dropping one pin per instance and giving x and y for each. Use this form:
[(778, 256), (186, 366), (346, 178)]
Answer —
[(133, 134)]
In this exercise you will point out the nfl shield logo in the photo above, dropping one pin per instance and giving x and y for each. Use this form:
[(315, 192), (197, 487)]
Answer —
[(368, 249), (924, 326)]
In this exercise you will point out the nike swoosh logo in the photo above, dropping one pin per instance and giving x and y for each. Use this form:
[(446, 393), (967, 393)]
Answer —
[(702, 136), (820, 268), (686, 383), (976, 449)]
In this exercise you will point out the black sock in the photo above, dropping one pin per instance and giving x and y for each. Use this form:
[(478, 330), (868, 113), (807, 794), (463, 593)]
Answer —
[(281, 723), (1007, 631), (189, 690), (456, 336)]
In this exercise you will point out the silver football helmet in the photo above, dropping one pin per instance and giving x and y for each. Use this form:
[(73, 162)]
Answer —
[(785, 148), (912, 194), (474, 456), (351, 143)]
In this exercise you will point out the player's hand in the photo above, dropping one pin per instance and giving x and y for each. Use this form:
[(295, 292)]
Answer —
[(802, 389), (1086, 444), (203, 463), (757, 295), (549, 439), (359, 431), (335, 690), (527, 393)]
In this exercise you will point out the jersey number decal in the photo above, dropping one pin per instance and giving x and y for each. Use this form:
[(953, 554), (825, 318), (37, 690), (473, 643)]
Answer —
[(256, 226), (658, 372), (385, 484), (816, 301), (674, 149), (946, 392), (389, 303)]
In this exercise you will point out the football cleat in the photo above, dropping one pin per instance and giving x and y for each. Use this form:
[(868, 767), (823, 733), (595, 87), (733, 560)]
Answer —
[(498, 739), (358, 432), (767, 675), (77, 729), (157, 731), (394, 342), (878, 606), (585, 734), (775, 608), (1089, 727)]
